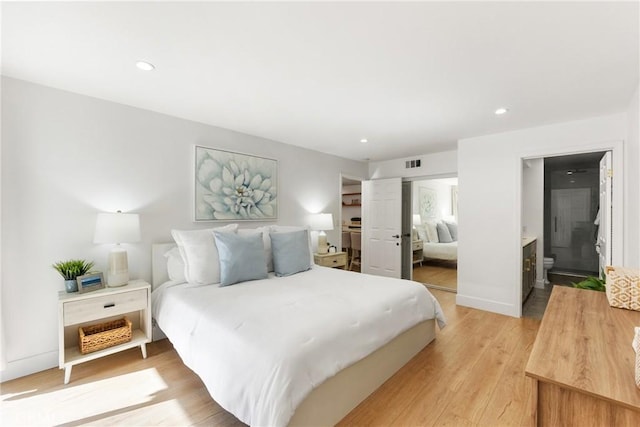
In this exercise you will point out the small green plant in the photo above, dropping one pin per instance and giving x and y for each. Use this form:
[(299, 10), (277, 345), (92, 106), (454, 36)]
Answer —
[(72, 268), (593, 283)]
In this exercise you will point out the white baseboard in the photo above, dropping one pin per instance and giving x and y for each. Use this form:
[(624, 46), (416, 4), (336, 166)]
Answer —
[(487, 305), (539, 284), (31, 365)]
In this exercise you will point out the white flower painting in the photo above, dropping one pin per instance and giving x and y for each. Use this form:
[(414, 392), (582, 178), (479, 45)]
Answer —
[(234, 187), (428, 202)]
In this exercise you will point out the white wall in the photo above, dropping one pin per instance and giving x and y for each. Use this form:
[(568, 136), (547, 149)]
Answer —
[(632, 178), (444, 163), (533, 209), (490, 177), (66, 157)]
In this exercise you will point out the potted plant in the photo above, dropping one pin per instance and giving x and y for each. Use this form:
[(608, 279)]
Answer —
[(593, 283), (70, 270)]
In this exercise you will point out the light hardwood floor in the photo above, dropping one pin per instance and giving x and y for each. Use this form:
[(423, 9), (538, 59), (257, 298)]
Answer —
[(472, 374), (441, 276)]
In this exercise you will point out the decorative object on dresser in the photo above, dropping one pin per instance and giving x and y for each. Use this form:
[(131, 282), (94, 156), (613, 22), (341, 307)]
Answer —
[(90, 282), (623, 287), (234, 187), (117, 228), (322, 222), (70, 270), (76, 311), (335, 260)]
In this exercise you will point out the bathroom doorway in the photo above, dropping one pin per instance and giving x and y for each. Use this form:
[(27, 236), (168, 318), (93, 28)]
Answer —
[(560, 206)]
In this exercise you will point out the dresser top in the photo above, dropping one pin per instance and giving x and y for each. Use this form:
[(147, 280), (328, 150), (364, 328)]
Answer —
[(585, 345), (73, 296)]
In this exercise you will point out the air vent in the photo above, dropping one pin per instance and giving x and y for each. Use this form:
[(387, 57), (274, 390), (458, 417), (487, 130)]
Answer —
[(410, 164)]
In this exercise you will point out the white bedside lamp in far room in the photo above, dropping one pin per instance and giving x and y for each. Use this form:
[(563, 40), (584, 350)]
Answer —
[(416, 221), (117, 228), (322, 222)]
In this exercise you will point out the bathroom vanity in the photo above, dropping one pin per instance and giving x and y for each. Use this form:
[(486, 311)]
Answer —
[(528, 265)]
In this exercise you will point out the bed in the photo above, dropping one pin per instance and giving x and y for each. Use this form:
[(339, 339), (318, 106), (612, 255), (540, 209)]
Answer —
[(440, 251), (273, 352)]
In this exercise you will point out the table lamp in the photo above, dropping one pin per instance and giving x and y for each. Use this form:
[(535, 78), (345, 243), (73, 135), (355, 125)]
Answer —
[(416, 221), (117, 228), (322, 222)]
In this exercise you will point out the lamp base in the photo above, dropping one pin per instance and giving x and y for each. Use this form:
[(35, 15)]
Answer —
[(117, 268), (323, 247)]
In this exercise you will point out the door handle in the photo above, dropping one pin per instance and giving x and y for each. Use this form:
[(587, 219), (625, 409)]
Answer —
[(396, 236)]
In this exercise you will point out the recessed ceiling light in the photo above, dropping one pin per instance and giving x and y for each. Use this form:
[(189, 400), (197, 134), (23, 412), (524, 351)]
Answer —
[(145, 66), (569, 172), (501, 111), (364, 140)]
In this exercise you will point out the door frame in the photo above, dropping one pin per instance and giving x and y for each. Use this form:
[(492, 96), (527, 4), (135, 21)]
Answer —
[(617, 208)]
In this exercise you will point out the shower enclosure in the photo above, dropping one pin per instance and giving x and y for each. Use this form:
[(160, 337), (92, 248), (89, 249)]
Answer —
[(571, 188)]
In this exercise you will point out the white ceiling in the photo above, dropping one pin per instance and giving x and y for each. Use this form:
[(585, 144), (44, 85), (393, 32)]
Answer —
[(413, 78)]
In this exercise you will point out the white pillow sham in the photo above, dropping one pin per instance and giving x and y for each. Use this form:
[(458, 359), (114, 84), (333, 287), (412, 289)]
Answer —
[(175, 265), (200, 254), (432, 231)]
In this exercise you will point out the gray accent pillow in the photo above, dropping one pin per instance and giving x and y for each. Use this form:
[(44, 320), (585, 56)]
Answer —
[(241, 257), (291, 253), (453, 230), (443, 233)]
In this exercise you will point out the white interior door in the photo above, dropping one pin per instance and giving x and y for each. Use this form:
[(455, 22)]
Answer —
[(603, 245), (381, 227)]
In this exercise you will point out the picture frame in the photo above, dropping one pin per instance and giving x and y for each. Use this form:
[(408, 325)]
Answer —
[(90, 282), (428, 202), (231, 186)]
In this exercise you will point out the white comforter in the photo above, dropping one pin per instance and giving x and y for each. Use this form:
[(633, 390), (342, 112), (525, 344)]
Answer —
[(260, 347)]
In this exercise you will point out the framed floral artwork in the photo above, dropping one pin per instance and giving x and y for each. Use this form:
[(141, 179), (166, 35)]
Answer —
[(233, 186), (428, 202)]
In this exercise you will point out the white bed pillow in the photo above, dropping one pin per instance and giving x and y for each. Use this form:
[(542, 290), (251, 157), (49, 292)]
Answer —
[(200, 255), (288, 228), (266, 241), (175, 265), (432, 231), (422, 233)]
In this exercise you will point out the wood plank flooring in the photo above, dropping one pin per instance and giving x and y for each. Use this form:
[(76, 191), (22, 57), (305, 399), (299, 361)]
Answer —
[(472, 374), (441, 276)]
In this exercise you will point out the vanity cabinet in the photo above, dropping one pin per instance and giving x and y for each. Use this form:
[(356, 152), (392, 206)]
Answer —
[(528, 268)]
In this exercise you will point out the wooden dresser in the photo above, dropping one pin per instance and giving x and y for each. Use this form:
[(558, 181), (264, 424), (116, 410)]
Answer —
[(582, 363)]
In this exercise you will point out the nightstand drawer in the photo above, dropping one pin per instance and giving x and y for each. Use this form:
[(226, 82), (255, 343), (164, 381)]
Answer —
[(416, 245), (331, 260), (100, 307)]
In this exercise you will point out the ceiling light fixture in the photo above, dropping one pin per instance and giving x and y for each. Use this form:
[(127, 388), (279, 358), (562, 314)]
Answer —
[(364, 140), (501, 111), (569, 172), (145, 66)]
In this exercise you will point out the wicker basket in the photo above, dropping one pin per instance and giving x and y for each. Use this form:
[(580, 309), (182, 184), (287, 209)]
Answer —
[(97, 337), (623, 287)]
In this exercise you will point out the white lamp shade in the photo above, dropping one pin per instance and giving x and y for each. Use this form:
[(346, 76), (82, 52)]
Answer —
[(117, 228), (416, 219), (322, 222)]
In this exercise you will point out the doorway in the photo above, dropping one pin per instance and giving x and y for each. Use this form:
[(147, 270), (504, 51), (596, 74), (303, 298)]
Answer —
[(560, 205), (433, 251), (351, 220)]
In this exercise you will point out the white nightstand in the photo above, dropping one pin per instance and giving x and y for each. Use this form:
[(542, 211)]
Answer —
[(76, 310), (335, 260)]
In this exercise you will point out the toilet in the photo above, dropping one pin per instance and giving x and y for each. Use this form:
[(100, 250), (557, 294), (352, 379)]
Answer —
[(547, 264)]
